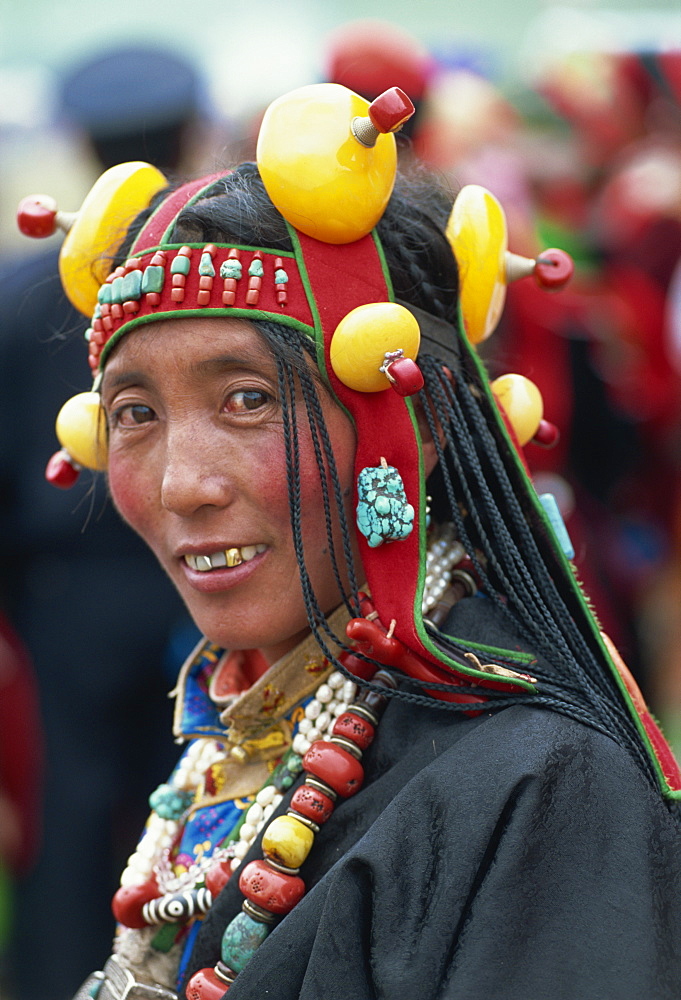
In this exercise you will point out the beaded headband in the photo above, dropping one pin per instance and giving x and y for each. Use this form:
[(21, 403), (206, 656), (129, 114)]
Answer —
[(206, 280)]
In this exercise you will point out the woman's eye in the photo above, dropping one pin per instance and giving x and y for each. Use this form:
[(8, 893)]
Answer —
[(131, 416), (246, 400)]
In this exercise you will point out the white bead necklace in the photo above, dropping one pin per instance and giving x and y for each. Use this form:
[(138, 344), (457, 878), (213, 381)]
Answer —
[(159, 833), (330, 700), (444, 552), (151, 854)]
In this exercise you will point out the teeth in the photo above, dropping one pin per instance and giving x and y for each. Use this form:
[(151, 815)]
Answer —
[(231, 557)]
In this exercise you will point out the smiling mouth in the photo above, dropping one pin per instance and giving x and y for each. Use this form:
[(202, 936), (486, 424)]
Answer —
[(225, 558)]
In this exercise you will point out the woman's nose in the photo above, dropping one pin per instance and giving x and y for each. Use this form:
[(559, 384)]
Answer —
[(195, 472)]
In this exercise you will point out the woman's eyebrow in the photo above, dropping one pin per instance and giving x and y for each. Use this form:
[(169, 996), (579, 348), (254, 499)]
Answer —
[(132, 377), (206, 366), (214, 365)]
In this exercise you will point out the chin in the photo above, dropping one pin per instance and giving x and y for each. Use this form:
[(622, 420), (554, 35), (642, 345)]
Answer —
[(272, 642)]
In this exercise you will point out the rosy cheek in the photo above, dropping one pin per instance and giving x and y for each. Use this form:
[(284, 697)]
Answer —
[(268, 471), (128, 491)]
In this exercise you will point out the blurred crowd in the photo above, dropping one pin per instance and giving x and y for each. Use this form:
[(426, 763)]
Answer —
[(587, 159)]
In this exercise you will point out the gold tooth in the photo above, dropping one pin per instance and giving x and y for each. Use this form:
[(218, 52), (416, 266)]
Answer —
[(233, 557)]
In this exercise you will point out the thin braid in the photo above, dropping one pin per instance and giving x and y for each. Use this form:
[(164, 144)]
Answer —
[(316, 421), (323, 468), (547, 629), (511, 565), (457, 449), (557, 625), (287, 391), (550, 632), (515, 553), (300, 346)]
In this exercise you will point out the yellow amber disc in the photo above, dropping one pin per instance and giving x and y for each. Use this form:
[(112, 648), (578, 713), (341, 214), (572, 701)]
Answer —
[(320, 177), (521, 401), (100, 227), (81, 429), (361, 339), (478, 236), (287, 841)]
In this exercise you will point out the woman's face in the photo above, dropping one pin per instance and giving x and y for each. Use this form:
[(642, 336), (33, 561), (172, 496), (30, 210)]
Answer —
[(197, 467)]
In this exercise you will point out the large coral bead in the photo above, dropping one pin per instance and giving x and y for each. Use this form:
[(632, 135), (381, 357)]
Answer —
[(273, 890), (335, 767), (129, 900), (206, 985), (354, 728)]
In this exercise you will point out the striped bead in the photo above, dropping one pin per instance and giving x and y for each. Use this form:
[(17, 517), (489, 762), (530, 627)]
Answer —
[(178, 907)]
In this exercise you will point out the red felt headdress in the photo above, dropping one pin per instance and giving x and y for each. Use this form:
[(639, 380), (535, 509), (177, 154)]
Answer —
[(334, 287)]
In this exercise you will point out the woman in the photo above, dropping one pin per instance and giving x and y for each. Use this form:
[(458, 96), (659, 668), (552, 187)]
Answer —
[(509, 826)]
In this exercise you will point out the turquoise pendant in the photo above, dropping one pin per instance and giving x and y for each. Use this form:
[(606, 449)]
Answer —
[(383, 514)]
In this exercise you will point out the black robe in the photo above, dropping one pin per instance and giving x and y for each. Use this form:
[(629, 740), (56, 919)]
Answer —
[(516, 855)]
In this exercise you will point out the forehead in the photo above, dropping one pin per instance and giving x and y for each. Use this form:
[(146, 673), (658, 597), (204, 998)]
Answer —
[(189, 341)]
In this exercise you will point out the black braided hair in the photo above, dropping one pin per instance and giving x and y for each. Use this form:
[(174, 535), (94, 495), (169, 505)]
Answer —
[(476, 484)]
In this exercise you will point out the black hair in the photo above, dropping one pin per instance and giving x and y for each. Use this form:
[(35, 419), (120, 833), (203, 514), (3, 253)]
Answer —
[(477, 485)]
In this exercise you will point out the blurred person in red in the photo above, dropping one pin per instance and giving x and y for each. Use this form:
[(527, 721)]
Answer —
[(21, 755), (610, 374), (371, 55)]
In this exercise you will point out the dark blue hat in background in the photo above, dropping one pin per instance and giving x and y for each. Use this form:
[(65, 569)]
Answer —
[(124, 90)]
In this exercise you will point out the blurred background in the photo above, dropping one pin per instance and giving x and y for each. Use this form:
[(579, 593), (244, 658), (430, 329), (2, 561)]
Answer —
[(570, 114)]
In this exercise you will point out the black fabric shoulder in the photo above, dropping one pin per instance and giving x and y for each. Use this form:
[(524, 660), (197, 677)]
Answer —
[(511, 856)]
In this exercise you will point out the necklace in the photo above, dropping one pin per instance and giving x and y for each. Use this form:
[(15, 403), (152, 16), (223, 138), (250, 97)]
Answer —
[(331, 735), (271, 885), (152, 892)]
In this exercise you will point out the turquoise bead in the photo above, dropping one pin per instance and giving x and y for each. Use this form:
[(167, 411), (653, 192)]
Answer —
[(231, 269), (117, 290), (153, 279), (170, 803), (206, 269), (552, 511), (180, 265), (241, 940), (131, 288)]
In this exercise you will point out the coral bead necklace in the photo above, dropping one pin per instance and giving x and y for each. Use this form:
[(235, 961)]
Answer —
[(271, 885)]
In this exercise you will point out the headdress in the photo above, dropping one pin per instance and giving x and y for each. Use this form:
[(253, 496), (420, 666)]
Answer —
[(328, 160)]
